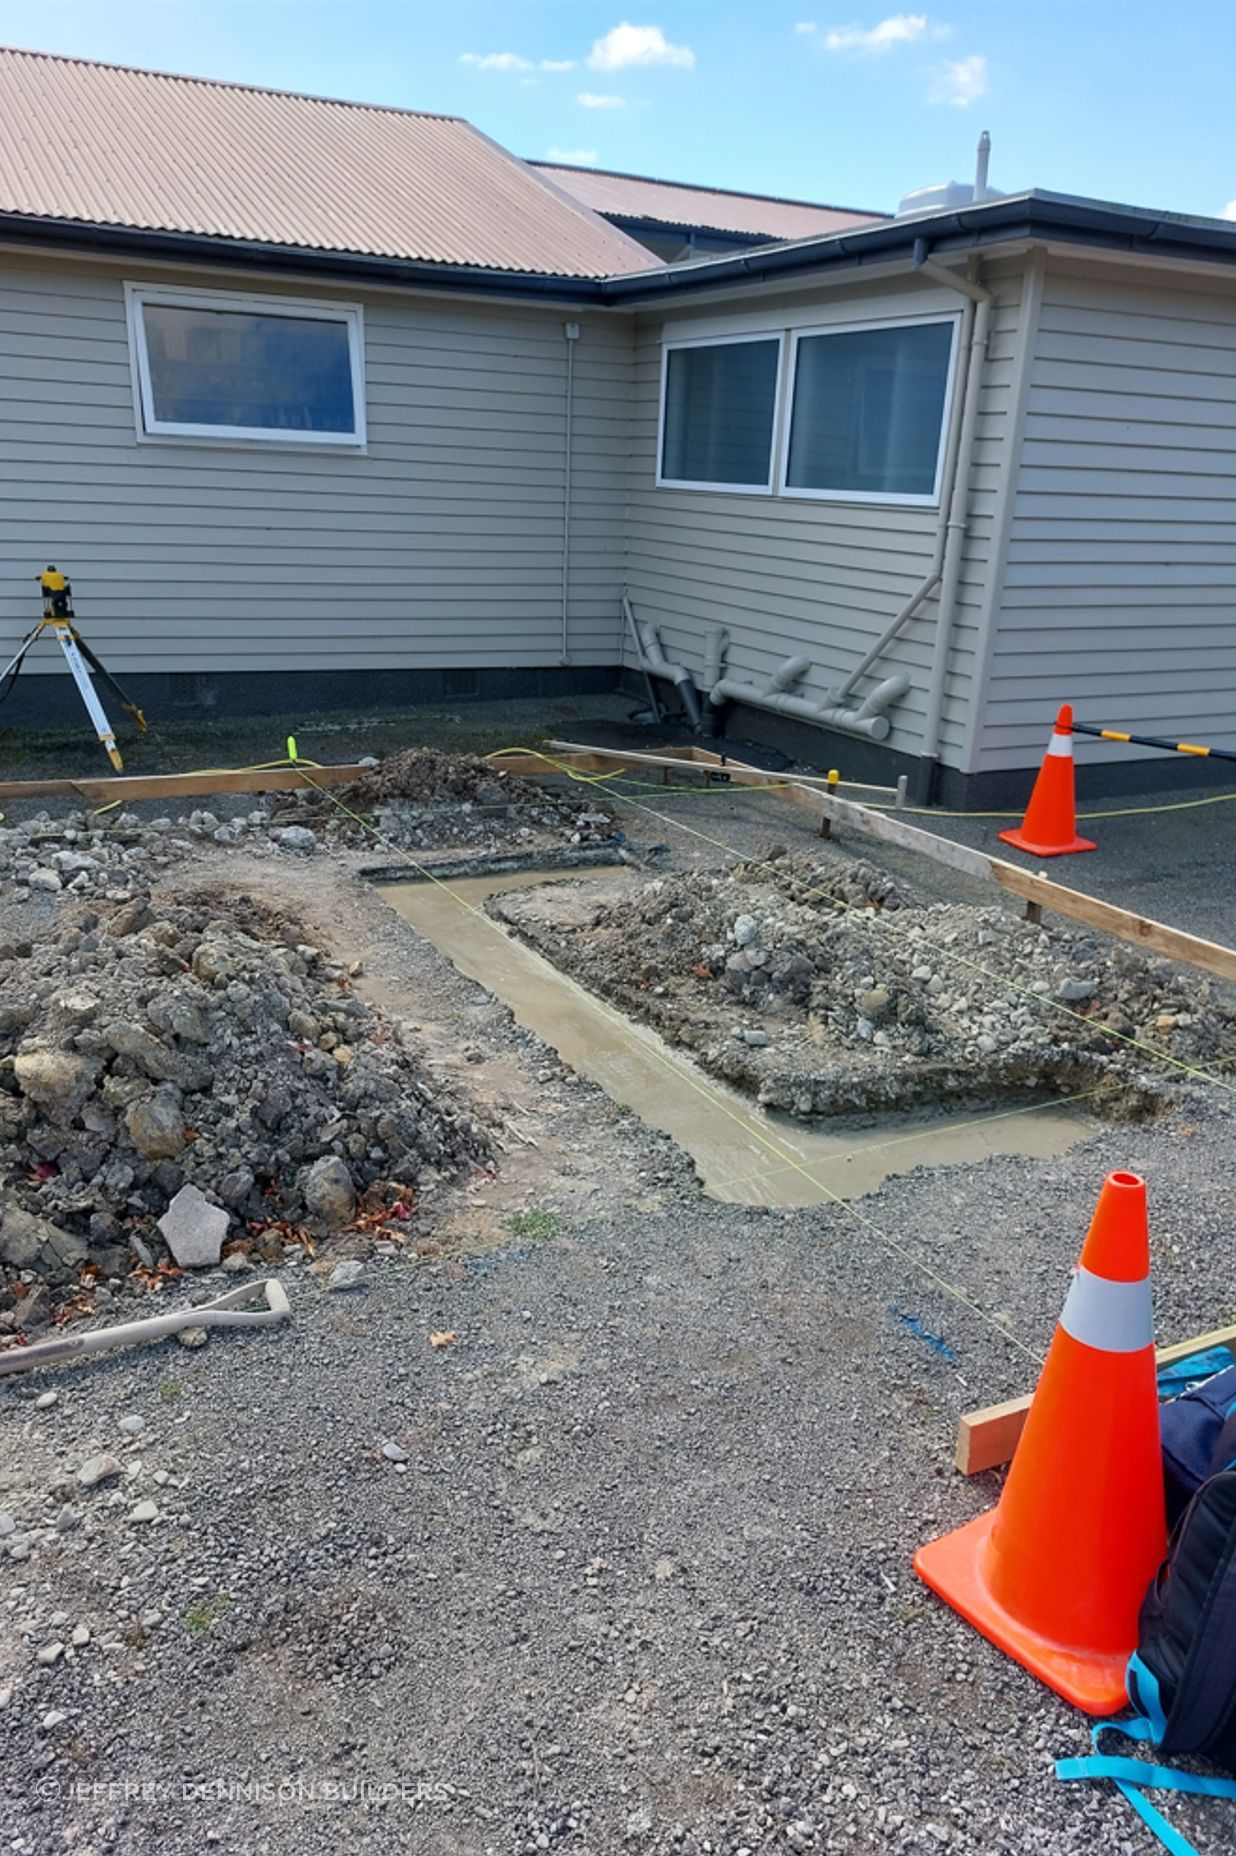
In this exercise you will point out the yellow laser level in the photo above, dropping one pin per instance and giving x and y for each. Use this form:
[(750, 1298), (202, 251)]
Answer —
[(59, 619)]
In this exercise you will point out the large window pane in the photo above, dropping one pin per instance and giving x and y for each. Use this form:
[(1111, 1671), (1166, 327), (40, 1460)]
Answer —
[(868, 410), (719, 403), (231, 369)]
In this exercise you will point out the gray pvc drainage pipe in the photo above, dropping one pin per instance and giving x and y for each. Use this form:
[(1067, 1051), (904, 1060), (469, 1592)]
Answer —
[(655, 662), (867, 720)]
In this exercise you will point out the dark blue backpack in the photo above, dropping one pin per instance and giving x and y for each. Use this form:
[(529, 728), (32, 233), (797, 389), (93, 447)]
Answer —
[(1182, 1677)]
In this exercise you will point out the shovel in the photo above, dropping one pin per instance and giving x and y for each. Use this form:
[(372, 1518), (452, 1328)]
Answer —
[(224, 1312)]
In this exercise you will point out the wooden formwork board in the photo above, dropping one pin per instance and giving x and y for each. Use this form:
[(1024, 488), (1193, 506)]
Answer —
[(182, 785), (986, 1439)]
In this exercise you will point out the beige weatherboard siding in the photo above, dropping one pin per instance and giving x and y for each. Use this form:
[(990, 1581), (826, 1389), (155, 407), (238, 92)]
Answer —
[(439, 546), (1119, 589), (787, 574)]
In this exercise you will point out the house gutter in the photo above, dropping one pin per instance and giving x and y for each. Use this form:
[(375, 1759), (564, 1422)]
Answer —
[(1030, 217)]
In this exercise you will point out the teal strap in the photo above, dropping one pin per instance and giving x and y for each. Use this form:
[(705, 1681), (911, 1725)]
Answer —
[(1142, 1685), (1138, 1772), (1131, 1775)]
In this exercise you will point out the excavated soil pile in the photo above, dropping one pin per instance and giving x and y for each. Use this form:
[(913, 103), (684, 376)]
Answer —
[(826, 994), (422, 797), (143, 1048)]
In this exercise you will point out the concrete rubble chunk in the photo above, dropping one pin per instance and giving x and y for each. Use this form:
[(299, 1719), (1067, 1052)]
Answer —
[(194, 1229), (144, 1512), (349, 1274), (29, 1242)]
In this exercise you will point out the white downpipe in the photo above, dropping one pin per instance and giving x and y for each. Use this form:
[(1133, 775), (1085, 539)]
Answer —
[(959, 504), (774, 696), (570, 332)]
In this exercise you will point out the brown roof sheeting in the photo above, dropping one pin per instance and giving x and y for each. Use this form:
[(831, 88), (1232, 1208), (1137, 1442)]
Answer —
[(671, 203), (109, 146)]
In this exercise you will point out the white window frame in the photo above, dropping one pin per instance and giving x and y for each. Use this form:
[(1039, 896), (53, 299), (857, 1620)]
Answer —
[(721, 341), (882, 498), (151, 430)]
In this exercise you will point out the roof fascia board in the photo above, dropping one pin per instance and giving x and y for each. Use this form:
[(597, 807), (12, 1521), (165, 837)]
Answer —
[(1152, 261), (1023, 219), (218, 273), (755, 290), (245, 256)]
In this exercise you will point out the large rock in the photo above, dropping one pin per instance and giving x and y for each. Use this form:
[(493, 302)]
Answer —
[(58, 1080), (330, 1196), (156, 1127), (194, 1229)]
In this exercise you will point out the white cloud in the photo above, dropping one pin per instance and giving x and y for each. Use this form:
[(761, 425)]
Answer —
[(573, 157), (497, 61), (1229, 211), (806, 26), (874, 41), (591, 101), (631, 45), (511, 61), (960, 82)]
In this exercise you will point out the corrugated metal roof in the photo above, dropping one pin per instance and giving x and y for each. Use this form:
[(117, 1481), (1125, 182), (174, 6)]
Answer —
[(110, 146), (673, 203)]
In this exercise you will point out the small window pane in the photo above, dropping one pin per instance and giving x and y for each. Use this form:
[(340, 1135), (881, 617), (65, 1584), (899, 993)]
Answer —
[(231, 369), (719, 413), (868, 409)]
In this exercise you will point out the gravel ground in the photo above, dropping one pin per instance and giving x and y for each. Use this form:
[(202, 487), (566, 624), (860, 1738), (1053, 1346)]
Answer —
[(642, 1581), (625, 1566)]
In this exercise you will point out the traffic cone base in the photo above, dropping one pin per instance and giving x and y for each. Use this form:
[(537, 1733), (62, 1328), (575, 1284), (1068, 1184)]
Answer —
[(1019, 839), (955, 1569)]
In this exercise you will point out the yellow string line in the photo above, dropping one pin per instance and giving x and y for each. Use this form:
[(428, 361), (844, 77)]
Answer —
[(262, 766), (684, 1076), (873, 805)]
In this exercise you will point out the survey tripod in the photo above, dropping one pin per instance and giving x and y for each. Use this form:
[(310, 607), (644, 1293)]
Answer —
[(58, 619)]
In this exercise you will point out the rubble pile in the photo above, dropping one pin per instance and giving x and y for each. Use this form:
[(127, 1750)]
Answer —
[(422, 797), (825, 993), (208, 1058), (418, 798), (109, 858)]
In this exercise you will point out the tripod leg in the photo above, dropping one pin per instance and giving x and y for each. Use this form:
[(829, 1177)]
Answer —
[(15, 662), (86, 690), (101, 670)]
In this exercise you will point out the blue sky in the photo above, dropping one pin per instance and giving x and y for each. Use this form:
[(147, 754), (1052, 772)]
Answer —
[(845, 103)]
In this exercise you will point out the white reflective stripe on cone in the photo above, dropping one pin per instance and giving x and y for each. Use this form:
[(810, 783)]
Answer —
[(1061, 744), (1115, 1317)]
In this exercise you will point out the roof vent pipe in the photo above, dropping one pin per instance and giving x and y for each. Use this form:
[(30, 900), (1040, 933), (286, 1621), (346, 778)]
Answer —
[(980, 169)]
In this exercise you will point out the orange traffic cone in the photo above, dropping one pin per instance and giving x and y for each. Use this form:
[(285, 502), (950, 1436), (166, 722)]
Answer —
[(1055, 1575), (1049, 828)]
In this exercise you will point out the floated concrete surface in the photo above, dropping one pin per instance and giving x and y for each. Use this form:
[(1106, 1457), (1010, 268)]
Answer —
[(744, 1155)]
